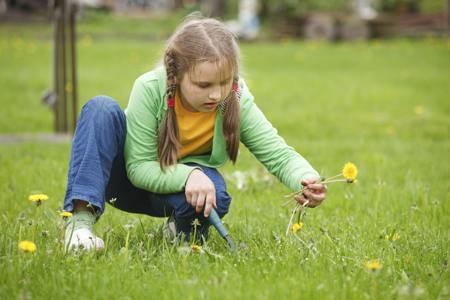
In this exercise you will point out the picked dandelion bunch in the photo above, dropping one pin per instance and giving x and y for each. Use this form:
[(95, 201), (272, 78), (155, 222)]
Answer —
[(38, 198), (349, 174), (27, 246)]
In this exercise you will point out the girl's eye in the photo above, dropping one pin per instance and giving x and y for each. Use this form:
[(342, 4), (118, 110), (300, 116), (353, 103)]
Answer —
[(203, 85)]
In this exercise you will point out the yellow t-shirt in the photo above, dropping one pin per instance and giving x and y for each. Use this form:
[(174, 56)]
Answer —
[(196, 129)]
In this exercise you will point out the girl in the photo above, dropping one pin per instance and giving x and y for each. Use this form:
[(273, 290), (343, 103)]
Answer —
[(184, 120)]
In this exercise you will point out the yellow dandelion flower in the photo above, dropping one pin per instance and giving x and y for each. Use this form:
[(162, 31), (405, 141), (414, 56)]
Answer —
[(69, 87), (392, 237), (38, 198), (395, 237), (390, 130), (86, 40), (418, 110), (373, 265), (196, 248), (296, 227), (27, 246), (350, 171), (65, 214)]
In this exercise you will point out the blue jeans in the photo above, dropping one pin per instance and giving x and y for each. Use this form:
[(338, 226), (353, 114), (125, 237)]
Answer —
[(97, 171)]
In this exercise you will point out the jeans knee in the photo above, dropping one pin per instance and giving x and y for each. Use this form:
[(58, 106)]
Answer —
[(223, 201), (182, 209), (105, 110), (103, 103)]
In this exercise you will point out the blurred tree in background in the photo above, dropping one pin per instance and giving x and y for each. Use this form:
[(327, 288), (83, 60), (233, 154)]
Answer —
[(293, 9), (410, 6)]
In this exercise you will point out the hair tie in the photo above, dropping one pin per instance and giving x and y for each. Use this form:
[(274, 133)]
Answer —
[(171, 102), (235, 87)]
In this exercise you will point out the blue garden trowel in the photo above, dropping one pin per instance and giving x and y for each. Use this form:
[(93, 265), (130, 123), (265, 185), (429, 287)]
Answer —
[(217, 223)]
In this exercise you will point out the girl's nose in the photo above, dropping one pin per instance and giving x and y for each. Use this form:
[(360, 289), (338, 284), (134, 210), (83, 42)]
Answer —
[(215, 95)]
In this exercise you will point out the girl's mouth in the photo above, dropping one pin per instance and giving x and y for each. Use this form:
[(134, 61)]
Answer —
[(211, 105)]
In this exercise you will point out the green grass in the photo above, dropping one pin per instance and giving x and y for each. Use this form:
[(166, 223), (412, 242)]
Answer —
[(333, 102)]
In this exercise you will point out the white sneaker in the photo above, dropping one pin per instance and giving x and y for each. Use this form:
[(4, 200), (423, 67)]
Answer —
[(83, 239), (170, 230), (79, 234)]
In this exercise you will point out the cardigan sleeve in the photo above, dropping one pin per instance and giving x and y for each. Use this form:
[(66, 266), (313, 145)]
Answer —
[(141, 144), (263, 141)]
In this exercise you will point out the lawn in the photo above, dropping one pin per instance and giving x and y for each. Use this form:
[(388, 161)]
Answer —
[(383, 105)]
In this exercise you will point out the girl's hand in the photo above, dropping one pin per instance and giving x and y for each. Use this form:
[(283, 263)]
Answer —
[(313, 192), (200, 192)]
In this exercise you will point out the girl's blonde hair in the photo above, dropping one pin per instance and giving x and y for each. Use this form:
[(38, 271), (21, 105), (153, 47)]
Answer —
[(196, 41)]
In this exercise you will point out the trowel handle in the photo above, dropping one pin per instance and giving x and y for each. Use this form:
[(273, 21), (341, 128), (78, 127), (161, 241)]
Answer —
[(214, 219)]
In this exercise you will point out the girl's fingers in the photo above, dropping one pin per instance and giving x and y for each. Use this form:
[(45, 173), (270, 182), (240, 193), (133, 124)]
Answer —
[(312, 204), (301, 198), (315, 197), (214, 202), (306, 182), (193, 200), (314, 192), (316, 187), (209, 204), (200, 202), (188, 197)]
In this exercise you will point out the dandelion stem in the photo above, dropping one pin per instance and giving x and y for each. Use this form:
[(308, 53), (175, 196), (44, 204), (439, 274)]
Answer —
[(36, 211), (295, 193), (292, 217), (195, 232), (336, 180), (332, 177), (302, 214), (292, 194), (286, 203)]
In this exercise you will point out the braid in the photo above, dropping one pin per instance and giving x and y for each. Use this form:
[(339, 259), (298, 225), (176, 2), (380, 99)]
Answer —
[(171, 69), (231, 115), (168, 139)]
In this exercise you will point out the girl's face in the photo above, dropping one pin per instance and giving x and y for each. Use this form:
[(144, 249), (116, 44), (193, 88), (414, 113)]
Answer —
[(205, 87)]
